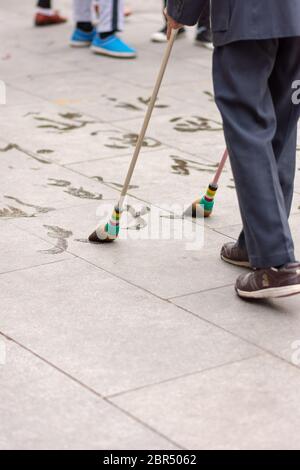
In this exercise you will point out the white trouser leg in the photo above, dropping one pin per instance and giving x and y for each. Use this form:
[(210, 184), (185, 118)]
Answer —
[(82, 11), (111, 16)]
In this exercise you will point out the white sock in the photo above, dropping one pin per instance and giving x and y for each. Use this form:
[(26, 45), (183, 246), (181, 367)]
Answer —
[(45, 11)]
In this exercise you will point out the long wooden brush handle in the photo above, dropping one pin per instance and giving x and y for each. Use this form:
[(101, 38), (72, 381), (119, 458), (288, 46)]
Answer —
[(220, 169), (148, 115)]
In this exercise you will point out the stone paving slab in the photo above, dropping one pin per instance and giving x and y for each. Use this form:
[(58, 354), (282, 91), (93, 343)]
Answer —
[(22, 366), (271, 325), (104, 99), (172, 179), (145, 75), (23, 250), (47, 410), (161, 176), (234, 230), (167, 268), (218, 409), (18, 62), (191, 133), (109, 335), (44, 186), (70, 135), (158, 174), (150, 324)]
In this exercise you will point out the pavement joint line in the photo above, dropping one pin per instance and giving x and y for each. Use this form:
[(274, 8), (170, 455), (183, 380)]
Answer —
[(170, 299), (224, 234), (223, 227), (122, 155), (133, 196), (117, 276), (164, 299), (90, 389), (143, 423), (165, 145), (91, 203), (179, 306), (137, 84), (11, 81), (236, 335), (26, 268), (91, 115), (65, 166), (40, 237), (75, 255), (271, 353), (183, 376), (50, 101)]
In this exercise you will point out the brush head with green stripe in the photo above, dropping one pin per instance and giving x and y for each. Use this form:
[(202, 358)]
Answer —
[(109, 232), (204, 207)]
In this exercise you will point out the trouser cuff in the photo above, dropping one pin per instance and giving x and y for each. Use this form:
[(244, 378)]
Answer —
[(277, 259)]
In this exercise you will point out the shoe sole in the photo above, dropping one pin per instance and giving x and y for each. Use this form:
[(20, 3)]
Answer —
[(100, 51), (209, 47), (272, 293), (159, 41), (80, 44), (163, 41), (43, 25), (241, 264)]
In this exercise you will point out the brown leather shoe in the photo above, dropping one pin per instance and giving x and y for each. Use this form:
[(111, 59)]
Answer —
[(233, 254), (270, 283), (49, 20)]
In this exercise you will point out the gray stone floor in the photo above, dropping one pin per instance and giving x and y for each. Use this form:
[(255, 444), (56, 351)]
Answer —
[(143, 343)]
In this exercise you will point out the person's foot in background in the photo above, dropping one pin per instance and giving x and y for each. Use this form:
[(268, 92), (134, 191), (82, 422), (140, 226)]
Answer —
[(83, 34), (45, 16), (111, 45), (111, 21), (204, 37), (99, 31), (161, 35)]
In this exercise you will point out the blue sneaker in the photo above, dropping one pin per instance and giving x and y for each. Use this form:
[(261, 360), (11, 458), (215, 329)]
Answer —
[(113, 47), (81, 38)]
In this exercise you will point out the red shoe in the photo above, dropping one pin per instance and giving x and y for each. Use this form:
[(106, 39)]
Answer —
[(48, 20)]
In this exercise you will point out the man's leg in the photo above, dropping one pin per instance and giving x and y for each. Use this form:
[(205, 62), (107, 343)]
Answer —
[(286, 71), (241, 75), (287, 115), (111, 21)]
